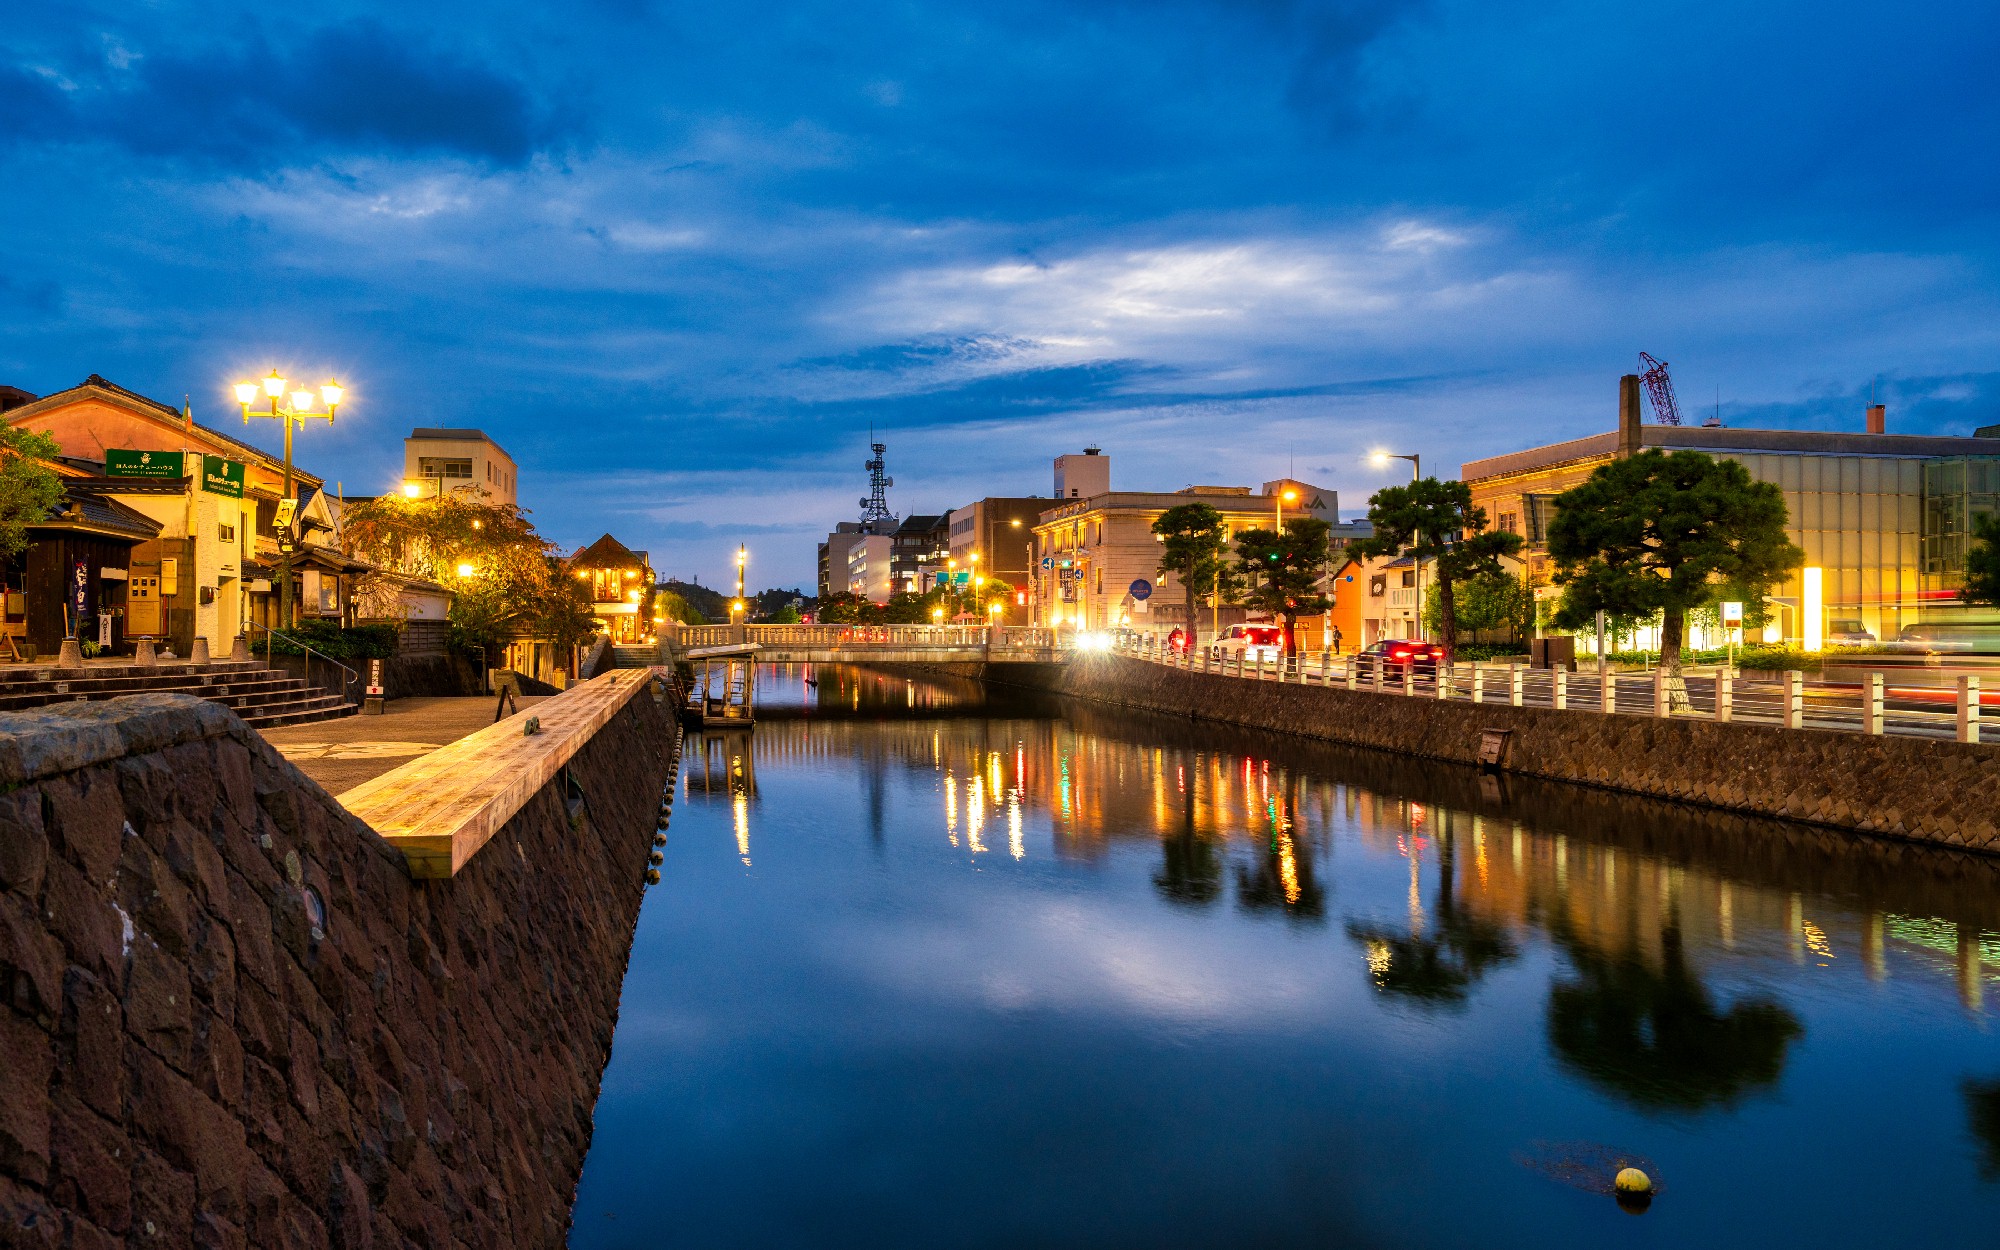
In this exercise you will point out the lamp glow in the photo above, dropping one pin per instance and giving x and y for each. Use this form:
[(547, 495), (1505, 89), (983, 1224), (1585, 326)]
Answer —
[(412, 490), (246, 392), (331, 393), (1814, 607), (302, 401), (274, 385), (465, 570)]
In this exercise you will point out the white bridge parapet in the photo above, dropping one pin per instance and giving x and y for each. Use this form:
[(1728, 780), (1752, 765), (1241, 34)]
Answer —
[(835, 644)]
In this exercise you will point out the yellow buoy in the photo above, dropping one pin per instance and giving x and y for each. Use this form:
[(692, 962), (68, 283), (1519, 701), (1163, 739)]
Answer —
[(1633, 1181)]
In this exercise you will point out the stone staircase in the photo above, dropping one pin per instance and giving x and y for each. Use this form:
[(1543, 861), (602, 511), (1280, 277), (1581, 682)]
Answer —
[(635, 655), (264, 697)]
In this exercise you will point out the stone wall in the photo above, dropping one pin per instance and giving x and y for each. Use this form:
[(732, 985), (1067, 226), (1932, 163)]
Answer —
[(1924, 789), (196, 1056)]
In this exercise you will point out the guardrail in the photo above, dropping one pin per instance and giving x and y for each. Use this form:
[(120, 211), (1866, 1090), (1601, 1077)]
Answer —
[(1874, 707), (881, 637), (350, 677)]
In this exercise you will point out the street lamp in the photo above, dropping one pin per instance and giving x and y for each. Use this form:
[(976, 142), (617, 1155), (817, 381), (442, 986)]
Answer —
[(1284, 498), (1382, 459), (300, 410)]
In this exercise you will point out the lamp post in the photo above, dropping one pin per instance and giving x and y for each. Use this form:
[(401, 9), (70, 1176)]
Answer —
[(1283, 498), (1382, 459), (299, 412)]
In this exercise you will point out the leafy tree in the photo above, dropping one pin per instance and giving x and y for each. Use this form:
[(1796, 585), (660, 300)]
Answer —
[(29, 489), (787, 615), (676, 607), (1982, 561), (1487, 603), (1192, 549), (1655, 532), (1283, 570), (844, 607), (1435, 521)]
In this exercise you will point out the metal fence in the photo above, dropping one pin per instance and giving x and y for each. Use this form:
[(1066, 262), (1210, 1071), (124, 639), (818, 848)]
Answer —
[(1787, 700)]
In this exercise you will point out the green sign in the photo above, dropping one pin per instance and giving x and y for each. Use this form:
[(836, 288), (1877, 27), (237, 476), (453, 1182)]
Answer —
[(222, 476), (121, 463)]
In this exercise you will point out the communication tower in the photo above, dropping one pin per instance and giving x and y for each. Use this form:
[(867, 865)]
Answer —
[(875, 515)]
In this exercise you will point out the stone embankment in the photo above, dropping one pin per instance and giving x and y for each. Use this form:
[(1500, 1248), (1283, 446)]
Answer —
[(1922, 789), (234, 1017)]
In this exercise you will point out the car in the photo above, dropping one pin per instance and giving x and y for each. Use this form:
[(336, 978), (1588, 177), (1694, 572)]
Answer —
[(1951, 638), (1848, 633), (1395, 655), (1254, 643)]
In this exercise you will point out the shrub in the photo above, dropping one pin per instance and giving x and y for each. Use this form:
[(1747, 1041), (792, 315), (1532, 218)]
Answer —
[(361, 642)]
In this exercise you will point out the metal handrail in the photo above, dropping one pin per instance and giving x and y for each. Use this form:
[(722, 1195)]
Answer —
[(311, 651)]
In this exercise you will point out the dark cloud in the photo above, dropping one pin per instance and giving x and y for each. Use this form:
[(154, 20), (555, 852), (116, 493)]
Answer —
[(360, 87)]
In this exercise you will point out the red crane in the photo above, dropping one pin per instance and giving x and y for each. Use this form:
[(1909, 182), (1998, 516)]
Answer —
[(1659, 389)]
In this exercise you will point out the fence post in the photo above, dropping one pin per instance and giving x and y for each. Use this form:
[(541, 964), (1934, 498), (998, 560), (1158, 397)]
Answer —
[(1350, 674), (1725, 695), (1795, 699), (1516, 681), (1378, 673), (1410, 679), (1659, 692), (1478, 683), (1968, 708), (1326, 667), (1441, 678), (1560, 688), (1875, 704), (1607, 690)]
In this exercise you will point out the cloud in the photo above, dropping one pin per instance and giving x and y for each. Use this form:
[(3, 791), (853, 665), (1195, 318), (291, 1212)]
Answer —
[(358, 87)]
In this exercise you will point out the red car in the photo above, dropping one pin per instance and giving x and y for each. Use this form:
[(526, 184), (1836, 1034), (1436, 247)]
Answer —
[(1397, 654)]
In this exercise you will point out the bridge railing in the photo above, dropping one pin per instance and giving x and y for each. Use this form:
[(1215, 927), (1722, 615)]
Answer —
[(869, 637), (1784, 700)]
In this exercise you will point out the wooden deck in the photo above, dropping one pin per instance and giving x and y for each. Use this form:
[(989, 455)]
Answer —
[(440, 809)]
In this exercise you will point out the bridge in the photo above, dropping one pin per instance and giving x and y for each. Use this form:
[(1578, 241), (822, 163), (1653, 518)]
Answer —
[(864, 644)]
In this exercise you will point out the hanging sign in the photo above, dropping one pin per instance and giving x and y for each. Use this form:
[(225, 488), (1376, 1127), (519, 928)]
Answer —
[(1142, 590), (119, 462), (286, 509), (79, 595), (222, 476)]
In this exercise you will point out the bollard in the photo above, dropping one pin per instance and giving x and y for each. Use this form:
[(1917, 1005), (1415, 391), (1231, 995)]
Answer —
[(1559, 688), (1478, 683), (1659, 692), (1378, 674), (1725, 695), (1607, 691), (1517, 677), (1968, 708), (1326, 668), (1410, 679), (1441, 678), (1795, 699), (1348, 673), (1874, 698)]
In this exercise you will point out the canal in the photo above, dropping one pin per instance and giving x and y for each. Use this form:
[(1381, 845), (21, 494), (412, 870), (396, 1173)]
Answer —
[(935, 967)]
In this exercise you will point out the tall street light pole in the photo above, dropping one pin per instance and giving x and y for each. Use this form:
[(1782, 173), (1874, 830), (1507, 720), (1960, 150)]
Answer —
[(299, 412)]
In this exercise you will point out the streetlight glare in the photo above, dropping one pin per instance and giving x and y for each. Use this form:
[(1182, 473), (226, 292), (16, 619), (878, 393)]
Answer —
[(412, 490), (302, 400), (246, 392), (465, 570), (274, 385), (331, 392)]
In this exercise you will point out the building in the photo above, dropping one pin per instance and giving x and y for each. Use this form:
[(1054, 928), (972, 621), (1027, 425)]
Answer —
[(1080, 477), (1097, 559), (996, 537), (207, 569), (1374, 598), (833, 555), (459, 462), (870, 567), (916, 550), (621, 588), (1882, 517)]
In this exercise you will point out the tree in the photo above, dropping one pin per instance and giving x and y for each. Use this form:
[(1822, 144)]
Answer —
[(1655, 531), (844, 607), (1283, 570), (1487, 603), (1192, 549), (1429, 520), (29, 489), (1982, 561)]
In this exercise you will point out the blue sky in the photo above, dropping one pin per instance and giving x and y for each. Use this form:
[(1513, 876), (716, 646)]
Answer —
[(677, 257)]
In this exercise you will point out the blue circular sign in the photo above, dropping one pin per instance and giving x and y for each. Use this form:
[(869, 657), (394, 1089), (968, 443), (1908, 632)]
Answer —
[(1142, 589)]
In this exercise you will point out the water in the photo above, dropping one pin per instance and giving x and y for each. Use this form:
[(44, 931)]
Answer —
[(949, 974)]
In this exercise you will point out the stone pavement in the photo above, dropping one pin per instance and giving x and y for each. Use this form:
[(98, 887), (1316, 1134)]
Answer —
[(344, 753)]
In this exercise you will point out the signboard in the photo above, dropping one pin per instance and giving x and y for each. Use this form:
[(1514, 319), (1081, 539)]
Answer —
[(79, 596), (1732, 613), (375, 678), (1142, 590), (119, 462), (286, 509), (222, 476)]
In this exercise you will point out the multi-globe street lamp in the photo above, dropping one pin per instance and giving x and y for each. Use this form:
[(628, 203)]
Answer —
[(299, 411)]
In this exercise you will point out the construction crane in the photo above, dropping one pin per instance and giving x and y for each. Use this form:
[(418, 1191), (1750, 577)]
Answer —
[(1659, 389)]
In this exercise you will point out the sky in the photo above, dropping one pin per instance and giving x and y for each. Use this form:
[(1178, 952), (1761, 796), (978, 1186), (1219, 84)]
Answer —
[(677, 258)]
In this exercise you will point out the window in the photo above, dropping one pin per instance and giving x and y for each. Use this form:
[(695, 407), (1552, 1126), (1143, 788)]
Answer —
[(1409, 577), (225, 533), (1510, 523), (437, 466)]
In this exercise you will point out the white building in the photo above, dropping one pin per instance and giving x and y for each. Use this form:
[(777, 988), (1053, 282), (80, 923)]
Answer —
[(460, 461), (869, 567)]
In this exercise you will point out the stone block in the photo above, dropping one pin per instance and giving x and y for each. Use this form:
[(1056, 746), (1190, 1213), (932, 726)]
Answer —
[(249, 921), (91, 1044), (90, 1166), (27, 1220), (86, 818), (162, 1108), (24, 844), (218, 1059), (31, 961), (159, 1011), (212, 966), (155, 898), (25, 1108), (80, 915), (162, 1201)]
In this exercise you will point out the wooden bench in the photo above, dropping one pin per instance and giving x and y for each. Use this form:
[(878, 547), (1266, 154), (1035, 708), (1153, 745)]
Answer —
[(438, 810)]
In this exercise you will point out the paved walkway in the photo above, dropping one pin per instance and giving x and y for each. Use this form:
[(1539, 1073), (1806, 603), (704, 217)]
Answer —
[(341, 754)]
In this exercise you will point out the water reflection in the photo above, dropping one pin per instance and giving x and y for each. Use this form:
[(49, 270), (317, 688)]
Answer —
[(932, 969)]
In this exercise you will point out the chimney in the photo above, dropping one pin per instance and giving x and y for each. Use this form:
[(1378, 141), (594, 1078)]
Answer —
[(1628, 415), (1878, 419)]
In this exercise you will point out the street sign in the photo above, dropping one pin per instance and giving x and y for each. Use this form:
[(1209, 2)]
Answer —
[(122, 462), (222, 476), (1048, 562), (286, 509), (1142, 590), (1732, 613)]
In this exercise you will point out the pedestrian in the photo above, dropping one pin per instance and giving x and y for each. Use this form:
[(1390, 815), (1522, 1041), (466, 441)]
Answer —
[(1336, 640)]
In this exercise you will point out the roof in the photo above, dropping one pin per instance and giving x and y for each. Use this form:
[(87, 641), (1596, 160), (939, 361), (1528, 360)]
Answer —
[(86, 512), (455, 435), (606, 553), (1723, 439), (129, 399)]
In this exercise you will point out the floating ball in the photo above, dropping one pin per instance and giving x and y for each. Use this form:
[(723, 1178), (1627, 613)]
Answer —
[(659, 839), (652, 876), (656, 859), (1632, 1181)]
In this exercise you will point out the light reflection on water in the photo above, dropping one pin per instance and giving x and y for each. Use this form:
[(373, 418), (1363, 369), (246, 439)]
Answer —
[(1217, 988)]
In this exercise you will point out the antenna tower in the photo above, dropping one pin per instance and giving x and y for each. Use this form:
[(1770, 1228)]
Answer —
[(1659, 389), (875, 514)]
